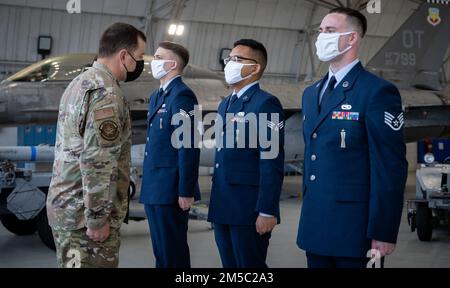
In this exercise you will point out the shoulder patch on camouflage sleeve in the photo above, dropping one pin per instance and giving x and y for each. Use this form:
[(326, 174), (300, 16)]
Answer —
[(109, 130), (104, 113)]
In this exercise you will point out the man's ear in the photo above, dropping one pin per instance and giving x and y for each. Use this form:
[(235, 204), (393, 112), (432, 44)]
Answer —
[(175, 65), (122, 54), (257, 69), (353, 38)]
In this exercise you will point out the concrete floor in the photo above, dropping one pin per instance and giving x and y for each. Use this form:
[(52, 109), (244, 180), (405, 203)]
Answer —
[(136, 251)]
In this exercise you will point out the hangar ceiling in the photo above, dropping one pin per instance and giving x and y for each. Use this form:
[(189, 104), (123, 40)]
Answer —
[(210, 25)]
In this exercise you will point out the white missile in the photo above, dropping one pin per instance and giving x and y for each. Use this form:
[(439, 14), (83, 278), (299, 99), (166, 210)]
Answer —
[(46, 154), (27, 153)]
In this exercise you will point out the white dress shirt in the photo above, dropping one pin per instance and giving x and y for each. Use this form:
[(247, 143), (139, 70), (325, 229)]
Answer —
[(244, 89), (164, 87), (339, 75)]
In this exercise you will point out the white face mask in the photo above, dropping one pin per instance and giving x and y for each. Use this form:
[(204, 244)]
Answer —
[(158, 71), (233, 72), (327, 46)]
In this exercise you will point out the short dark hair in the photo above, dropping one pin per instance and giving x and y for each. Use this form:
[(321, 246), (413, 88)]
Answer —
[(178, 50), (119, 36), (354, 16), (257, 47)]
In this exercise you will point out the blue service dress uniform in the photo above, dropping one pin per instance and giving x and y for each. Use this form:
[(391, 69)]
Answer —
[(169, 173), (245, 185), (355, 169)]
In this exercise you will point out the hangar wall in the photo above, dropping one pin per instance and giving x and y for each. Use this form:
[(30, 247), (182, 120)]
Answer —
[(71, 33), (8, 136), (210, 26)]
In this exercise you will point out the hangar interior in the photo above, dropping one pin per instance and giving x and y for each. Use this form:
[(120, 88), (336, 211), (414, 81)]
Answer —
[(286, 27)]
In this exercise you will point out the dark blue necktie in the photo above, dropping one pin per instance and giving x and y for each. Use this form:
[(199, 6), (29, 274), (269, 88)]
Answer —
[(232, 100), (326, 95), (159, 95)]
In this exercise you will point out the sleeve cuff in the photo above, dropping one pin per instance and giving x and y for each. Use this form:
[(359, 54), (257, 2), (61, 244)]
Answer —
[(266, 215), (96, 224)]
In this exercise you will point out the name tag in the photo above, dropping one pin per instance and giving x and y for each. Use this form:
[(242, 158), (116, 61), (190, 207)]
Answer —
[(343, 115)]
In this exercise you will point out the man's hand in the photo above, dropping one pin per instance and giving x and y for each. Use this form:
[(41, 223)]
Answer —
[(185, 202), (99, 235), (384, 248), (265, 224)]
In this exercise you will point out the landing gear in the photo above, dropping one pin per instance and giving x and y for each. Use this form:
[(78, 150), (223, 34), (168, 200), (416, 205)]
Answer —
[(132, 190), (424, 223), (19, 227), (45, 231)]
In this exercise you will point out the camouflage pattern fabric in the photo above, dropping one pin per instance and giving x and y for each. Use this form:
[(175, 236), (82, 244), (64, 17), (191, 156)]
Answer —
[(74, 249), (90, 179)]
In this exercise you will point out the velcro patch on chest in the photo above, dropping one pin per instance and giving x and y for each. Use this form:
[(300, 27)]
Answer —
[(104, 113), (344, 115)]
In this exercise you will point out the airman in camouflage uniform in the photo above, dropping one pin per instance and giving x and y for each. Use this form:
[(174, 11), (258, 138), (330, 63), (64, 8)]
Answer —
[(89, 187)]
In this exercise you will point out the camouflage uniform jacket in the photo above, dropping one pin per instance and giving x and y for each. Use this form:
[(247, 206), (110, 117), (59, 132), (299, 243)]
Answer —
[(90, 178)]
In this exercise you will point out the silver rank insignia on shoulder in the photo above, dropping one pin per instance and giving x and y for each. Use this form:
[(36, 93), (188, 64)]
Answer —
[(275, 127), (343, 135), (395, 123), (186, 114)]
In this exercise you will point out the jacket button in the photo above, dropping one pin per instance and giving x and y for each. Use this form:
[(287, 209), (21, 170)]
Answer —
[(146, 153), (151, 125), (312, 178), (218, 149), (313, 157), (147, 139), (217, 165), (314, 136)]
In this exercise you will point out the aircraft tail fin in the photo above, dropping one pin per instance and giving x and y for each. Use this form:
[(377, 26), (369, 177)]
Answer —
[(416, 51)]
